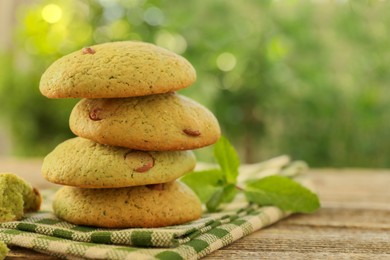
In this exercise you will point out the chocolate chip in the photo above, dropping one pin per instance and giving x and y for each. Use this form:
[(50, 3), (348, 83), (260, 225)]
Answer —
[(146, 167), (158, 186), (191, 132), (88, 50), (135, 157), (95, 114), (36, 192)]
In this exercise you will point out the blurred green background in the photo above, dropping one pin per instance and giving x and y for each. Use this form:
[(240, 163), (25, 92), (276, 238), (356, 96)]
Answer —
[(304, 78)]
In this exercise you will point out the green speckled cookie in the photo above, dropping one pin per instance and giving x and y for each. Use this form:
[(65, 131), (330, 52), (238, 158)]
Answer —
[(83, 163), (117, 69), (155, 205), (16, 197), (3, 250), (152, 123)]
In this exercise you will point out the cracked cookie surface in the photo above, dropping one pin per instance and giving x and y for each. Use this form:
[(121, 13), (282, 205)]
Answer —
[(117, 69), (161, 122), (83, 163)]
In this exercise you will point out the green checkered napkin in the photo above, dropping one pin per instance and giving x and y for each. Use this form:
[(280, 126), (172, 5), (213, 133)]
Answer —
[(45, 233)]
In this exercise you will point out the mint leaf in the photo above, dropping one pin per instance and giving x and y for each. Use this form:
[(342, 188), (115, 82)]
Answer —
[(282, 192), (228, 160), (215, 200), (204, 183), (229, 193), (222, 195)]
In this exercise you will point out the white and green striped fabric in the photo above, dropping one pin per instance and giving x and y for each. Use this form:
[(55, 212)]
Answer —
[(45, 233)]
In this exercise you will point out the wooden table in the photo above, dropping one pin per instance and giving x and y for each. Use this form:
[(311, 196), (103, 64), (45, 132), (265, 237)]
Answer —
[(353, 223)]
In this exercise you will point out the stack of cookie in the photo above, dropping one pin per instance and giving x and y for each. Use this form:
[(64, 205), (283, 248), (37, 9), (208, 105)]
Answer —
[(135, 136)]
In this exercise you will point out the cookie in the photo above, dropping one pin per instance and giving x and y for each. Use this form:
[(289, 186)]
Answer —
[(153, 123), (154, 205), (83, 163), (3, 250), (16, 197), (117, 69)]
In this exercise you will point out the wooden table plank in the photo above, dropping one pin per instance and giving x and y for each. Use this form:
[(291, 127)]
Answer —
[(353, 223), (293, 239)]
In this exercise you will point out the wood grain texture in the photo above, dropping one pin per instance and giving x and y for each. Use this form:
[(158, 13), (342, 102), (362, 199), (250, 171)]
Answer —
[(353, 223)]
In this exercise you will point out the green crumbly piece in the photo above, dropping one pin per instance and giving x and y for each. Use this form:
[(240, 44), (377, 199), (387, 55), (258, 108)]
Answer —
[(16, 197), (3, 250)]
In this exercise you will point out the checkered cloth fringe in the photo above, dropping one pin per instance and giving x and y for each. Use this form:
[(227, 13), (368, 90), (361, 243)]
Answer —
[(45, 233)]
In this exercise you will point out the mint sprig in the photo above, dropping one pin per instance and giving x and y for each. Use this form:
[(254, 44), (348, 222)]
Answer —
[(217, 186)]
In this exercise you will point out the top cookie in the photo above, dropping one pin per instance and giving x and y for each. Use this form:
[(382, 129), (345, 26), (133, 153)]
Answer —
[(117, 70)]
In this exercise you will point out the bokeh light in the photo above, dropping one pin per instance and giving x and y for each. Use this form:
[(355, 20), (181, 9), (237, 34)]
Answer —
[(51, 13), (226, 61), (154, 16), (170, 41)]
